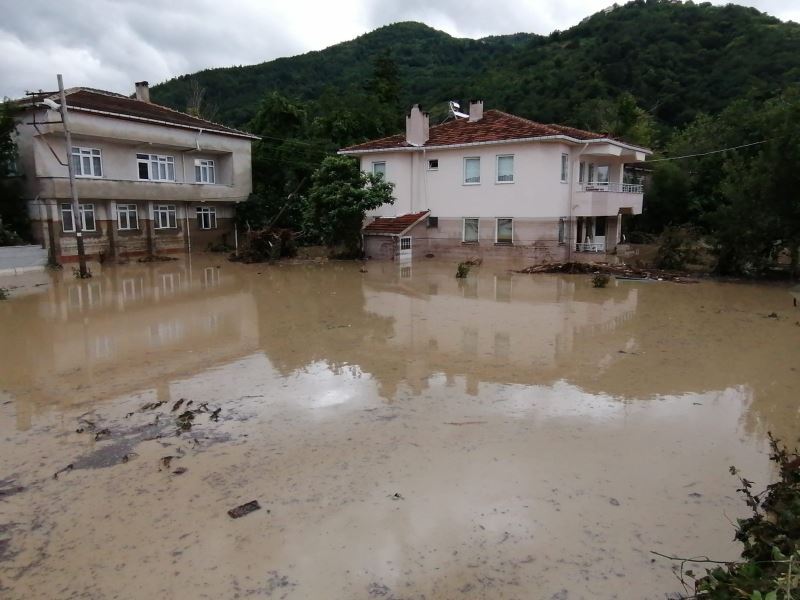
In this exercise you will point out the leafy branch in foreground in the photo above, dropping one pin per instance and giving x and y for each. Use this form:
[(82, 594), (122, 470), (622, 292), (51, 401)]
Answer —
[(770, 569)]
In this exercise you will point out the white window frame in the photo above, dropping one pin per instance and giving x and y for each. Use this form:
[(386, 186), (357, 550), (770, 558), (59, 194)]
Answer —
[(80, 153), (154, 163), (497, 168), (430, 165), (162, 212), (205, 167), (464, 178), (403, 240), (128, 210), (464, 239), (582, 172), (207, 217), (83, 209), (497, 229), (375, 163), (564, 167)]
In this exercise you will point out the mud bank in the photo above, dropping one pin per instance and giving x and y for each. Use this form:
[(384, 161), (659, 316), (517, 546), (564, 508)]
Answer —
[(406, 435)]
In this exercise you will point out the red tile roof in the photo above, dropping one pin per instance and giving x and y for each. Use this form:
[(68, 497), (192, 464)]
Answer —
[(393, 225), (495, 126), (124, 107)]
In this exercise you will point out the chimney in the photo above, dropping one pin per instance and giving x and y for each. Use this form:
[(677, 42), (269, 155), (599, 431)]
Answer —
[(417, 126), (143, 91), (475, 110)]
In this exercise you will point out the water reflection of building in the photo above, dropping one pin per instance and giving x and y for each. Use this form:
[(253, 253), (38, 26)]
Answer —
[(126, 329)]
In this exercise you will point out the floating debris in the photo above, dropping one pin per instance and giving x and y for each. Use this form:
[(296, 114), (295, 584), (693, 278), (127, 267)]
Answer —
[(165, 461), (101, 434), (397, 496), (152, 405), (215, 415), (180, 471), (177, 405), (465, 422), (66, 469), (244, 509)]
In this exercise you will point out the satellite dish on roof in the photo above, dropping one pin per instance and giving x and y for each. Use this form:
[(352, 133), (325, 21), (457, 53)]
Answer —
[(454, 110)]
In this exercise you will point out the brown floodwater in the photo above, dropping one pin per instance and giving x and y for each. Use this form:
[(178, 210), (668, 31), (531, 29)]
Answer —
[(408, 435)]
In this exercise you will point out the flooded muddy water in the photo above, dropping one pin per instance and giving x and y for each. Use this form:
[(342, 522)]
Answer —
[(407, 435)]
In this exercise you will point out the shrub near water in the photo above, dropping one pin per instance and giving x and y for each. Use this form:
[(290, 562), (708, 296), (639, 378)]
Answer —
[(770, 569)]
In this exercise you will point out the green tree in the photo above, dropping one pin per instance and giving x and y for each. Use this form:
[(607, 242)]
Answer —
[(14, 220), (339, 198)]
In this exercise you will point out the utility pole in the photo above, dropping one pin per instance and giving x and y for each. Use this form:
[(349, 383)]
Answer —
[(77, 218)]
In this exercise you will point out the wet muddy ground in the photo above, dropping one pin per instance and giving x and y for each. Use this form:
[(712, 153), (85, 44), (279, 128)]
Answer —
[(407, 435)]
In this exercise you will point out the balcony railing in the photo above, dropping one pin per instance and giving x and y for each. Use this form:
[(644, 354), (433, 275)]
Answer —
[(591, 247), (611, 186)]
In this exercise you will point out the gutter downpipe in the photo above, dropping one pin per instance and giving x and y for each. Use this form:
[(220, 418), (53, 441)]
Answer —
[(570, 240)]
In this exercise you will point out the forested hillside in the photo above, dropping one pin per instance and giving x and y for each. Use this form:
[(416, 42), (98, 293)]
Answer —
[(676, 59), (714, 90)]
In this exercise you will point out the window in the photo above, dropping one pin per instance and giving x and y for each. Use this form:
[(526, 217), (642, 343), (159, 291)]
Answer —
[(433, 222), (207, 217), (87, 218), (87, 162), (581, 172), (562, 230), (379, 168), (164, 216), (127, 217), (472, 171), (505, 169), (433, 164), (591, 173), (470, 231), (154, 167), (204, 171), (405, 243), (564, 168), (602, 174), (505, 231)]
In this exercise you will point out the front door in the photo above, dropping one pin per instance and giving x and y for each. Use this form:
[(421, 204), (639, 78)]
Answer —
[(600, 233), (405, 248)]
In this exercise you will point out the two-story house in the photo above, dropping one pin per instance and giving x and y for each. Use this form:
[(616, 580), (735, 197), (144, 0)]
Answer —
[(149, 179), (492, 183)]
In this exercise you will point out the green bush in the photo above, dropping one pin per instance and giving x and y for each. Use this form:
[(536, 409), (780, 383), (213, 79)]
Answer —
[(462, 270), (600, 280), (677, 248)]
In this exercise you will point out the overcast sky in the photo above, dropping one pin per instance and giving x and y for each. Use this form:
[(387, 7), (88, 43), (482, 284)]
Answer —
[(109, 44)]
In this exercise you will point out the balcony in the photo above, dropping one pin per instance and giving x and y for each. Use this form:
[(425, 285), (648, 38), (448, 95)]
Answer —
[(607, 198)]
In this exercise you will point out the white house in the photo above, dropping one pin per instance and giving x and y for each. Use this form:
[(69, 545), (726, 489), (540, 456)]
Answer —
[(149, 179), (493, 183)]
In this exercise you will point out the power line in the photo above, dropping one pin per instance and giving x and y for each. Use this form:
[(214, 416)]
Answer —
[(707, 153)]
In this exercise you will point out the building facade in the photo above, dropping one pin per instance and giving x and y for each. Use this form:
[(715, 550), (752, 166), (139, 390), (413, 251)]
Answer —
[(492, 183), (149, 179)]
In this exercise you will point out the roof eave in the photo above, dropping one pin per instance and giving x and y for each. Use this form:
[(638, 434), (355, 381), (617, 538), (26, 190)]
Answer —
[(565, 138)]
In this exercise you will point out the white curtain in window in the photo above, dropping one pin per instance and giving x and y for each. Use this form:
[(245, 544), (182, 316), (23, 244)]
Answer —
[(505, 168), (472, 170)]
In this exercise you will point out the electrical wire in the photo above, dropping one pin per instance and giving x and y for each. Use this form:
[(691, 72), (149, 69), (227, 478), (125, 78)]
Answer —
[(706, 153)]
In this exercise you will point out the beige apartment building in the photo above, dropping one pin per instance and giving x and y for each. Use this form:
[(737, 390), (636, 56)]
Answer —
[(150, 179)]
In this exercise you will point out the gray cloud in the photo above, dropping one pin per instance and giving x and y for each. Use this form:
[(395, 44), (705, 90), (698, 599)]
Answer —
[(110, 44)]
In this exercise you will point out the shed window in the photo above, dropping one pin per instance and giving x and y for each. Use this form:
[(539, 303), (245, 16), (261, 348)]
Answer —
[(379, 168), (433, 164)]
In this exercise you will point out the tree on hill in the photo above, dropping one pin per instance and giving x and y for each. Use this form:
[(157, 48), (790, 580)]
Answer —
[(14, 220)]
